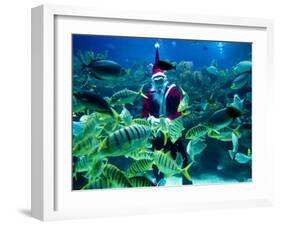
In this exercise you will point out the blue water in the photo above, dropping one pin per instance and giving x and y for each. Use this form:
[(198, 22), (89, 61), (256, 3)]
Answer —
[(128, 51)]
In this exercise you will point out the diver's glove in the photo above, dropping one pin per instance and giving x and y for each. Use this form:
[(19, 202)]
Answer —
[(167, 120), (153, 121)]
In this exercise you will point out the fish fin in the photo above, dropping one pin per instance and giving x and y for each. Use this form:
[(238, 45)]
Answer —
[(209, 133), (249, 152), (103, 144), (231, 154), (165, 138), (188, 147), (237, 132), (162, 182), (185, 171), (95, 76), (185, 113), (86, 186), (179, 159), (242, 158), (162, 150), (167, 65), (168, 154), (74, 175), (216, 131), (85, 82), (182, 91), (116, 118), (141, 93), (235, 143)]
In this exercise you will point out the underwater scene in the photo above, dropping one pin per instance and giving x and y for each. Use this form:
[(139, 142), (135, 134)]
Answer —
[(160, 112)]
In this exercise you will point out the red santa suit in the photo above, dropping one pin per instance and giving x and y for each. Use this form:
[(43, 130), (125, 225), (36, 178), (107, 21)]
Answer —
[(167, 106)]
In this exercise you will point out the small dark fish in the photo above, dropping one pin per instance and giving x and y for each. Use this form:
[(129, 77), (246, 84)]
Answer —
[(223, 118), (165, 65), (240, 81), (94, 102), (205, 48), (105, 69), (233, 112)]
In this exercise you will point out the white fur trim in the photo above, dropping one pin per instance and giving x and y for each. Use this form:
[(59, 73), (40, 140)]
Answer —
[(158, 74), (166, 94)]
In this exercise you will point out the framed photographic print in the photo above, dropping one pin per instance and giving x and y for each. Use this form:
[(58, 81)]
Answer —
[(134, 113)]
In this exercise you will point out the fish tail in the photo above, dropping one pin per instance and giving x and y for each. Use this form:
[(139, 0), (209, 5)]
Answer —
[(231, 154), (182, 91), (184, 171), (185, 113), (116, 118), (141, 93), (237, 132)]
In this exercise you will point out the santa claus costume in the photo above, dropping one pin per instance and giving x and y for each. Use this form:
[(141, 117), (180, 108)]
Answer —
[(162, 101)]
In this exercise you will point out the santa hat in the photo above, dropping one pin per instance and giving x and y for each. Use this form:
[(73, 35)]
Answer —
[(156, 71)]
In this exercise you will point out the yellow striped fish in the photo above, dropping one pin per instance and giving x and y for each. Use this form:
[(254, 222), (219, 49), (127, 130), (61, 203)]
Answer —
[(175, 129), (139, 167), (83, 164), (141, 121), (126, 116), (84, 147), (141, 181), (124, 141), (126, 96), (184, 103), (197, 132), (138, 155), (99, 184), (91, 129), (96, 169), (168, 166), (116, 176)]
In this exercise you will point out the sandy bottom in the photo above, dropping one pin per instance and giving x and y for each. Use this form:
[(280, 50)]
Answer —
[(204, 179)]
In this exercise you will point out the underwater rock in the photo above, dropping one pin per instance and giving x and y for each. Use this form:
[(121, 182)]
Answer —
[(212, 70)]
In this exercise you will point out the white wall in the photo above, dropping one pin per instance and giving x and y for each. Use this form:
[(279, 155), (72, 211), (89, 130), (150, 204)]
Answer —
[(15, 111)]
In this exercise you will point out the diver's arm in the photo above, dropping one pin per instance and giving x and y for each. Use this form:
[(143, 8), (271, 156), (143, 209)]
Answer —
[(146, 107)]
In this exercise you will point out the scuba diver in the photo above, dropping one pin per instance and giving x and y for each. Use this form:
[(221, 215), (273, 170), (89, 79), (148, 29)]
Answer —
[(163, 101)]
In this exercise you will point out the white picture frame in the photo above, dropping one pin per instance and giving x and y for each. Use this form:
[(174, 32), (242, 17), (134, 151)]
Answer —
[(51, 197)]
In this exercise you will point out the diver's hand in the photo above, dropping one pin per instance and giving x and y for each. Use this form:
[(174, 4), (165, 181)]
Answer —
[(167, 120), (153, 121)]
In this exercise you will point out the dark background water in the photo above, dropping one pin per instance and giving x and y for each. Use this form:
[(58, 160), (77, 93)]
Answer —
[(128, 51)]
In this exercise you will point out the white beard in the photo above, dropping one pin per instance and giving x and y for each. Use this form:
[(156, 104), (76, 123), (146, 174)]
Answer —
[(159, 94), (158, 97)]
